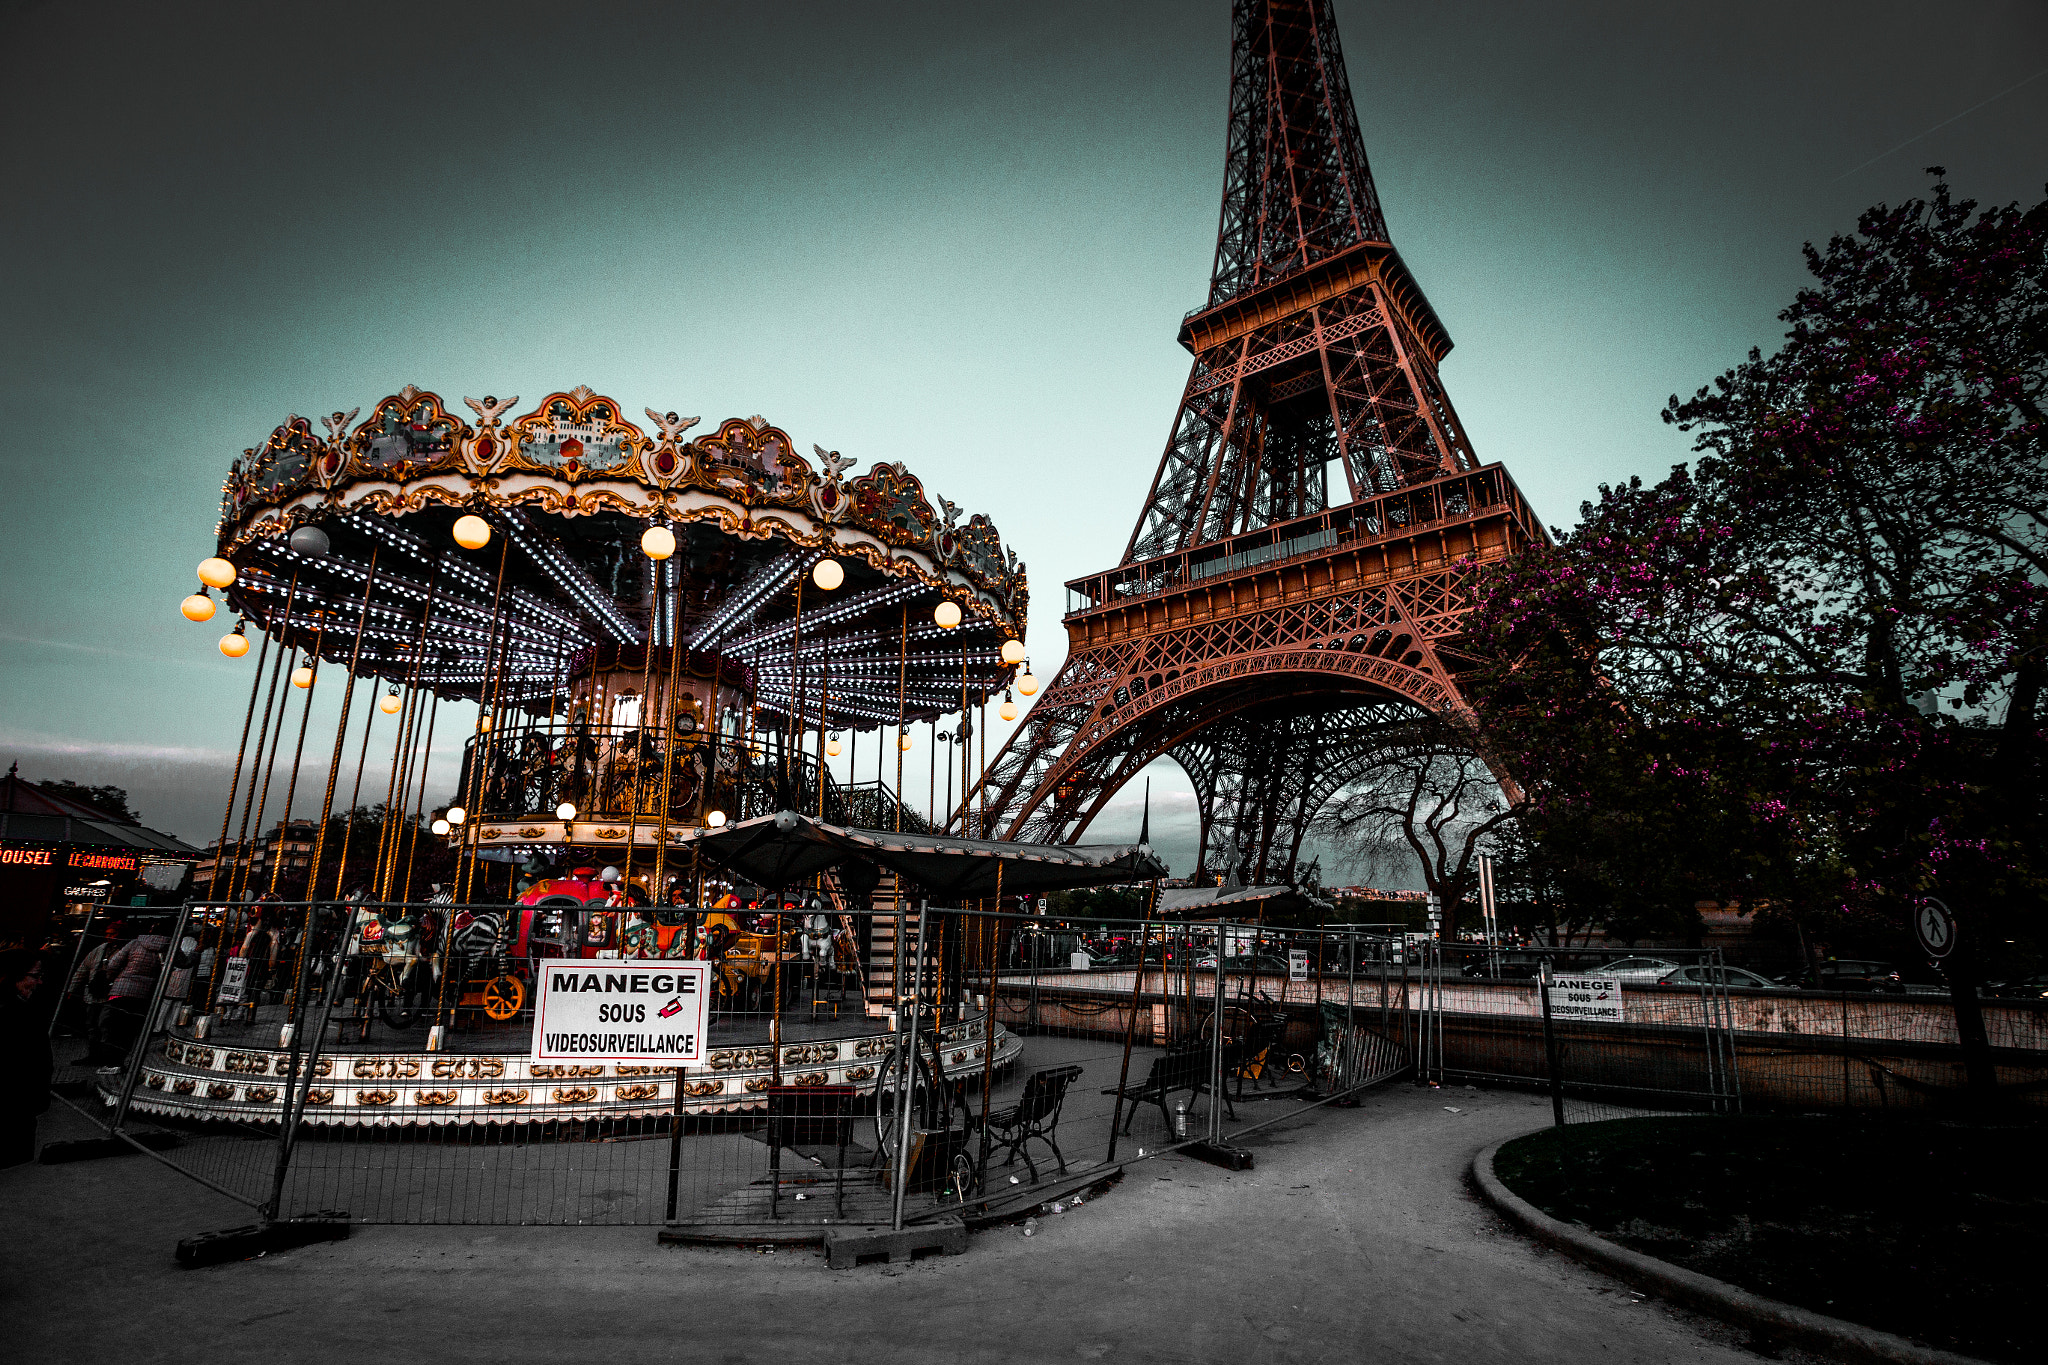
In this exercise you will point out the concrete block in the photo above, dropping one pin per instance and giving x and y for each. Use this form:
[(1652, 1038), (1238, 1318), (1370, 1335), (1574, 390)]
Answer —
[(846, 1247)]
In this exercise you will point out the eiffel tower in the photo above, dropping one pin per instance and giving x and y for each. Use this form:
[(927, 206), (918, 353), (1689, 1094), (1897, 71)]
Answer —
[(1289, 591)]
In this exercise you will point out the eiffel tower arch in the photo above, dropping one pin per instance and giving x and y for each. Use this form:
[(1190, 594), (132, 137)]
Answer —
[(1289, 591)]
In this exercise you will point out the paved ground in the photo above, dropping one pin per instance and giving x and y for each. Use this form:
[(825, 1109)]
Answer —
[(1355, 1239)]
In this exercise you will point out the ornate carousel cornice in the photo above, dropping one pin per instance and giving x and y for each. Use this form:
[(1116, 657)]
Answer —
[(574, 455)]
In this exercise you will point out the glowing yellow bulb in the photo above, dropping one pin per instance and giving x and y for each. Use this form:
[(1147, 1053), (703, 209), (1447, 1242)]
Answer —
[(1027, 682), (472, 532), (1008, 710), (302, 676), (1013, 651), (216, 572), (565, 811), (716, 819), (947, 614), (657, 542), (831, 748), (391, 705), (234, 644), (456, 815), (197, 607), (828, 574), (903, 742)]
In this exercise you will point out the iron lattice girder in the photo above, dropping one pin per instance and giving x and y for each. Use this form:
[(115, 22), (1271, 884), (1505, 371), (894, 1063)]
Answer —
[(1265, 625), (1336, 369)]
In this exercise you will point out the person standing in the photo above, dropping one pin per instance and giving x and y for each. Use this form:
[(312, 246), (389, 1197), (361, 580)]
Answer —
[(132, 971), (24, 1056), (89, 985)]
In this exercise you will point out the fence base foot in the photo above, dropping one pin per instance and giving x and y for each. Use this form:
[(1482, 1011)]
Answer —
[(849, 1247), (240, 1244), (92, 1149), (1220, 1154)]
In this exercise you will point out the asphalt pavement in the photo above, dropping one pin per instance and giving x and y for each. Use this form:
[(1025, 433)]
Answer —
[(1355, 1238)]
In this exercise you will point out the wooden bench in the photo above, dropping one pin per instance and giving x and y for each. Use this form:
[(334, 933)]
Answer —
[(1178, 1068)]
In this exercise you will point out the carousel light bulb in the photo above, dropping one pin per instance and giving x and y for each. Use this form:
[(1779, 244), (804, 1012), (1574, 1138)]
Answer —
[(1027, 681), (828, 574), (197, 607), (234, 644), (1008, 710), (472, 532), (216, 572), (456, 815), (565, 811), (390, 706), (947, 614), (439, 827), (657, 542), (302, 676), (716, 819), (483, 725), (832, 748), (903, 742), (1013, 651)]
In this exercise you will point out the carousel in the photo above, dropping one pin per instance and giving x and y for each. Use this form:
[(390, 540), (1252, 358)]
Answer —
[(646, 640)]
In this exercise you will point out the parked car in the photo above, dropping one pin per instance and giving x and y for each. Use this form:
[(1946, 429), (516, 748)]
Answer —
[(1738, 977), (1255, 962), (1506, 966), (2033, 987), (1635, 969), (1849, 974)]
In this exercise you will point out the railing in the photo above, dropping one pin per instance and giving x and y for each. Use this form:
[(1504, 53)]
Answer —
[(1443, 502), (624, 772)]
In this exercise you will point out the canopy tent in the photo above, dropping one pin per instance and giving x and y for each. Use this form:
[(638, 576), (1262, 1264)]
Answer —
[(785, 848), (1201, 901)]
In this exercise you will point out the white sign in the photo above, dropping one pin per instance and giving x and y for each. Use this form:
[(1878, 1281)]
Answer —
[(622, 1012), (1077, 961), (1593, 999), (234, 981), (1297, 964)]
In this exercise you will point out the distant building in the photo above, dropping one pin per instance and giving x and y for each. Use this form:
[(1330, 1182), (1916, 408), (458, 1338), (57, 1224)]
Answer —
[(289, 850)]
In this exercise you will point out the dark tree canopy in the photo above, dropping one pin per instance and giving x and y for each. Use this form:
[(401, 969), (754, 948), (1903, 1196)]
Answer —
[(112, 800), (1806, 670)]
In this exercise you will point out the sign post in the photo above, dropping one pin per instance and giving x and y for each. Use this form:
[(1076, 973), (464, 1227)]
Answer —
[(1550, 1048)]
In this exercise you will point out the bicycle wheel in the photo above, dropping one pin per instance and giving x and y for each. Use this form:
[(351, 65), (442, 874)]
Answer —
[(925, 1086)]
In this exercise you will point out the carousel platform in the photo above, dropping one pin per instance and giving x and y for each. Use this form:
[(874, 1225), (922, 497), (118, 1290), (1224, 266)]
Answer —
[(393, 1080)]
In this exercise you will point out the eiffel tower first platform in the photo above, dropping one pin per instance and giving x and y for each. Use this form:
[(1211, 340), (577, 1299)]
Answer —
[(1289, 591)]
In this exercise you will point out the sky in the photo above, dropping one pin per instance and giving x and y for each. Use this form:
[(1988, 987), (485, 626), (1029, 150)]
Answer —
[(958, 236)]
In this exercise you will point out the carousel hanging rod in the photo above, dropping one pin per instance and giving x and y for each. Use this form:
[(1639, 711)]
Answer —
[(874, 599), (526, 602), (547, 555), (770, 579)]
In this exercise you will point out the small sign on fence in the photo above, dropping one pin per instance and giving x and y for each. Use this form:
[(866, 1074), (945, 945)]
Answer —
[(234, 981), (1297, 964), (615, 1012), (1589, 999)]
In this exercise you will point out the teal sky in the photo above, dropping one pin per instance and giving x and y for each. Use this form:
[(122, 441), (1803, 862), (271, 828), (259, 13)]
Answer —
[(960, 236)]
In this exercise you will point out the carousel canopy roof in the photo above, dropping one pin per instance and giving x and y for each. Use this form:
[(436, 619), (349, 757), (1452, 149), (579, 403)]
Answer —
[(351, 534), (1200, 900), (777, 850)]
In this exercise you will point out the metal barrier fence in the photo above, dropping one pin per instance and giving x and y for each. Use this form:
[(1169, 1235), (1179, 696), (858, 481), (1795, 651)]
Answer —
[(376, 1060), (906, 1064), (1693, 1035)]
